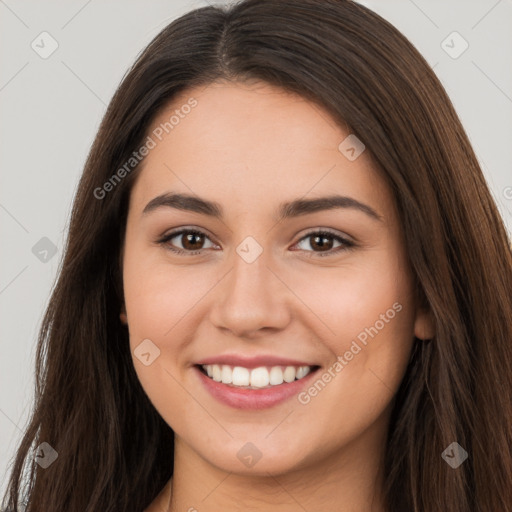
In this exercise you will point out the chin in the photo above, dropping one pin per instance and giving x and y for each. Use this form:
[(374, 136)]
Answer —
[(258, 458)]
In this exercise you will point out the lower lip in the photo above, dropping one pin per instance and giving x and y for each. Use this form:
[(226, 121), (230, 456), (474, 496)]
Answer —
[(241, 398)]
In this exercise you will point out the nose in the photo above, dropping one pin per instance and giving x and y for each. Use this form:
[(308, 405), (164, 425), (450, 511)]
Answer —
[(251, 299)]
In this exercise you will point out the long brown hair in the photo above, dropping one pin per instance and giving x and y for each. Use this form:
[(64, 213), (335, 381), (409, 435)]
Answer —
[(114, 450)]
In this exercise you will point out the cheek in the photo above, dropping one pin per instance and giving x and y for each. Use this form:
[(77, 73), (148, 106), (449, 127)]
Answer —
[(355, 299), (158, 305), (370, 331), (362, 312), (156, 298)]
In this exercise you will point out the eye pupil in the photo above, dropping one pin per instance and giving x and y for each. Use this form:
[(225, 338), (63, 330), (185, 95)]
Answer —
[(318, 241), (189, 238)]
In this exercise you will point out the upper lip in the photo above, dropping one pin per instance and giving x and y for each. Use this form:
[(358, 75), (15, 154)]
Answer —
[(252, 362)]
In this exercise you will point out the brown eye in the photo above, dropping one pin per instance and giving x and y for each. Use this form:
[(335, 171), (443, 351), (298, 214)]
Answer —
[(191, 241), (323, 242)]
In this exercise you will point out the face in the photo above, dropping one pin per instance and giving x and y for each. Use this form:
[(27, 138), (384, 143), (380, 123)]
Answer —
[(256, 286)]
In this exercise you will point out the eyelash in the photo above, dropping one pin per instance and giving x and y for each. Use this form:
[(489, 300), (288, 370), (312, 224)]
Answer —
[(347, 244)]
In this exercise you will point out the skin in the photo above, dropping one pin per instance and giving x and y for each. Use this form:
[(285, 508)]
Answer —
[(250, 147)]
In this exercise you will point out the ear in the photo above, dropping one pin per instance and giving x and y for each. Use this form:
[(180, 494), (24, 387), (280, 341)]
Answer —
[(122, 315), (424, 327)]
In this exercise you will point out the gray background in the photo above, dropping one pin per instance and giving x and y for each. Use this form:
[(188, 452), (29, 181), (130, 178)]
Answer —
[(51, 108)]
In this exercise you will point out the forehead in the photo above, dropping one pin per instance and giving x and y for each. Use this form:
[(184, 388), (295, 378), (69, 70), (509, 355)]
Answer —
[(253, 143), (248, 118)]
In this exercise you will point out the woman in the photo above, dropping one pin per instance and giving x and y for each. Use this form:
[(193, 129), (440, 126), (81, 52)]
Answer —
[(286, 284)]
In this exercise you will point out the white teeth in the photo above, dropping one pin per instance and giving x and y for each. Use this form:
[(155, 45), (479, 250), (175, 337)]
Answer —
[(240, 376), (260, 377), (226, 374), (276, 376), (302, 371), (289, 374), (216, 373), (257, 377)]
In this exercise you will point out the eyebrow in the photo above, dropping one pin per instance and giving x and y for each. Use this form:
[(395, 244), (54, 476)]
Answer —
[(286, 210)]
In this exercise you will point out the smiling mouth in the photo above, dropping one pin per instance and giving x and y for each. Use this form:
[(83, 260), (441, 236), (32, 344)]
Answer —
[(255, 378)]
